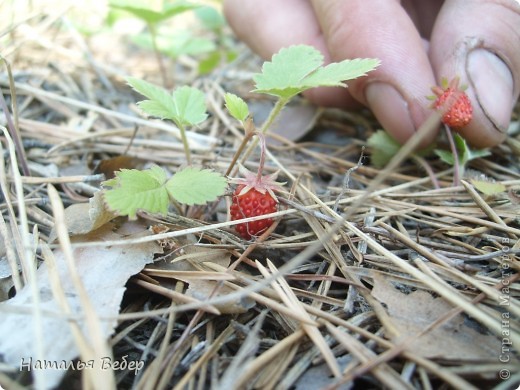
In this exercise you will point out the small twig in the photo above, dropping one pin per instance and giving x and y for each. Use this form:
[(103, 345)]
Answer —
[(346, 180)]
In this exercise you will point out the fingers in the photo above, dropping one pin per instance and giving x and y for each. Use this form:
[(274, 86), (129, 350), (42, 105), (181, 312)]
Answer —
[(268, 25), (382, 29), (480, 42)]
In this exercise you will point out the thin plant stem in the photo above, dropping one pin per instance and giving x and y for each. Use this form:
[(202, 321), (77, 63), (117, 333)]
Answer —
[(456, 166), (424, 164), (279, 105), (261, 138), (242, 146), (162, 68), (185, 142)]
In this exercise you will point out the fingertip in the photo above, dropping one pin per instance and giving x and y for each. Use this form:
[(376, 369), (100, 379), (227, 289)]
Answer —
[(468, 42), (399, 117)]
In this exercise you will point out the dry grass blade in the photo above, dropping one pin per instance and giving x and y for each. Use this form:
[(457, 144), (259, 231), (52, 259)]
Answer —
[(288, 297), (361, 270), (99, 347)]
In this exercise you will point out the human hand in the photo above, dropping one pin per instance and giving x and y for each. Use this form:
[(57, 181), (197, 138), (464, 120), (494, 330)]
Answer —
[(418, 43)]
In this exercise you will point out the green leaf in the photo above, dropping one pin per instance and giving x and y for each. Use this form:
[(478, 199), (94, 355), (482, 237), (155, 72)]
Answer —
[(133, 190), (445, 156), (212, 60), (210, 18), (195, 186), (487, 187), (236, 106), (151, 16), (383, 147), (297, 68), (190, 106), (186, 106), (160, 104), (465, 153), (333, 74)]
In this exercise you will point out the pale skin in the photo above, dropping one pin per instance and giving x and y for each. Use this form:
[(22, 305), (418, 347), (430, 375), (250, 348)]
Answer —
[(418, 43)]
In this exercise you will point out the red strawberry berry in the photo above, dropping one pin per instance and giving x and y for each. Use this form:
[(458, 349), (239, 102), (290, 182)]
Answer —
[(253, 197), (455, 104), (251, 204)]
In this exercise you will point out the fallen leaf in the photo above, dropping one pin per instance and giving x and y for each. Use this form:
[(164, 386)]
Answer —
[(103, 270), (83, 218), (194, 258), (488, 187), (412, 313)]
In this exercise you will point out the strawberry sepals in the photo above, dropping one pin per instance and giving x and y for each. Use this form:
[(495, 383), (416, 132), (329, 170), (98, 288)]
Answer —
[(453, 103), (260, 183)]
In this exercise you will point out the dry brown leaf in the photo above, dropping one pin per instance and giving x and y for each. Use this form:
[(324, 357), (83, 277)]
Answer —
[(104, 272), (83, 218), (453, 340)]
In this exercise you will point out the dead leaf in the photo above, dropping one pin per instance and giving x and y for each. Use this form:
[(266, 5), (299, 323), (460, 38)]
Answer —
[(83, 218), (196, 258), (411, 313), (104, 271), (109, 166)]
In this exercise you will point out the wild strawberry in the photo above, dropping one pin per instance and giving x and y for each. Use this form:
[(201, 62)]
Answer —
[(454, 103), (253, 197)]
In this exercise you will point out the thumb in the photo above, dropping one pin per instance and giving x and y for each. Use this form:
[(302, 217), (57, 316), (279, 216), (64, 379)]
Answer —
[(468, 41)]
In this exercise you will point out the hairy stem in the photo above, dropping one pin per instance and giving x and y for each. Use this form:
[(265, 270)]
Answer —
[(281, 103)]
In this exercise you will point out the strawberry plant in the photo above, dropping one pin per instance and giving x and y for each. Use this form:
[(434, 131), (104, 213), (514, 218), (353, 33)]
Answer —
[(152, 18), (291, 71), (454, 104), (150, 190), (185, 106), (456, 110), (253, 197)]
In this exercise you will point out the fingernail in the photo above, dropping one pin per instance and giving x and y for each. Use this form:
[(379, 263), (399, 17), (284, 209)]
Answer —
[(493, 83), (391, 109)]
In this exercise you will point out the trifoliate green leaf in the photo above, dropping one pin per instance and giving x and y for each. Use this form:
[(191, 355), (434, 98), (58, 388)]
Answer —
[(185, 106), (196, 186), (383, 147), (487, 187), (297, 68), (465, 153), (133, 190), (236, 106), (152, 16)]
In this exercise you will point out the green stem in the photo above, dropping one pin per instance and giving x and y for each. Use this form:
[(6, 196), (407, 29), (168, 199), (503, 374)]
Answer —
[(239, 151), (185, 142), (158, 55), (281, 103)]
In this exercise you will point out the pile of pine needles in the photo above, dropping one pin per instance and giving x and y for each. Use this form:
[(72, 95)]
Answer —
[(370, 278)]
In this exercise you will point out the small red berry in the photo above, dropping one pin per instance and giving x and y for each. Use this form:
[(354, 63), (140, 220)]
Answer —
[(253, 197), (251, 204), (455, 104)]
